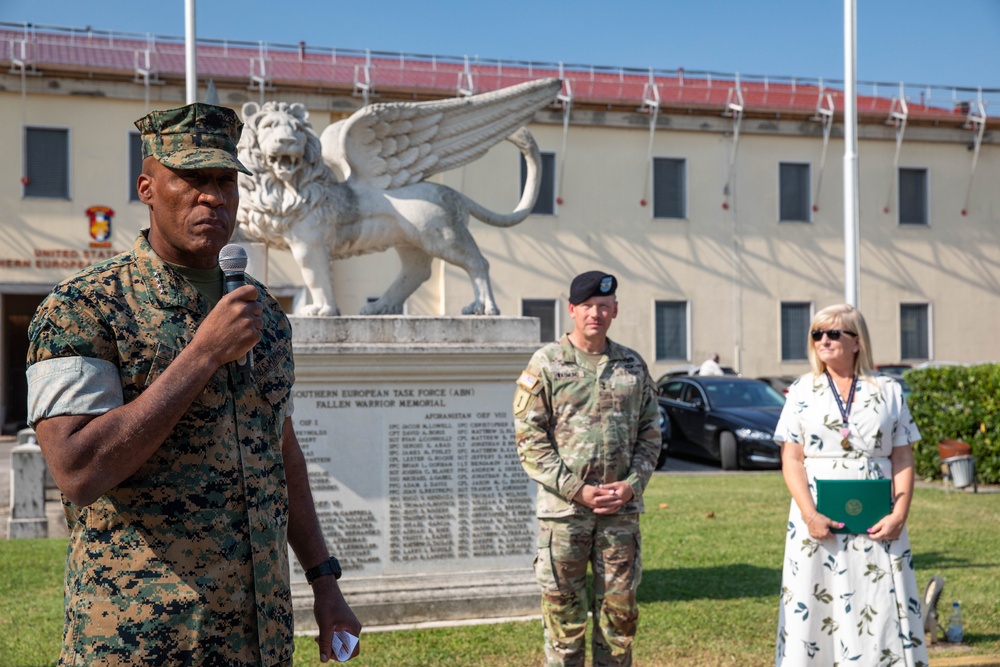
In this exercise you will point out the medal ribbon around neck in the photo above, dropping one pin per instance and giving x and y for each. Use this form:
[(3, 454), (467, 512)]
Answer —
[(845, 410)]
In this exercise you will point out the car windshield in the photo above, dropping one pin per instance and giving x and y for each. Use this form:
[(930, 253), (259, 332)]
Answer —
[(743, 395)]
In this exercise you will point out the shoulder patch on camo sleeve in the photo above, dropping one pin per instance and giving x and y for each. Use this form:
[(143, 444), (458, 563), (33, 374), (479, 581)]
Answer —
[(528, 389), (529, 382)]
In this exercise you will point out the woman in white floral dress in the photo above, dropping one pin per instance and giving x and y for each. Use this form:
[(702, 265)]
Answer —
[(847, 599)]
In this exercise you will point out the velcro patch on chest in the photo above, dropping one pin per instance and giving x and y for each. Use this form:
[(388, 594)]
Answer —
[(625, 377)]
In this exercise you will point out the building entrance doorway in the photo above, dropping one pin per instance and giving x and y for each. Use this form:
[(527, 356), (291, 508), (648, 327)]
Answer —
[(17, 310)]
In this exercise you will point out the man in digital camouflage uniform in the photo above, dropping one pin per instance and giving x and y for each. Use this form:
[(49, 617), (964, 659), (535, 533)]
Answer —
[(587, 431), (183, 483)]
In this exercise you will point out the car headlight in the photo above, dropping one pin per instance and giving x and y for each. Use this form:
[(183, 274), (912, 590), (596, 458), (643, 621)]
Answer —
[(753, 434)]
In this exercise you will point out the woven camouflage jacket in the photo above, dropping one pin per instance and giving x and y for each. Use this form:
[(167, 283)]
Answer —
[(575, 426), (186, 561)]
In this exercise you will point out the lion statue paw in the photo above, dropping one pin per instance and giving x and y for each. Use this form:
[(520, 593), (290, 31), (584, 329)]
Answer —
[(479, 308), (313, 310), (381, 307)]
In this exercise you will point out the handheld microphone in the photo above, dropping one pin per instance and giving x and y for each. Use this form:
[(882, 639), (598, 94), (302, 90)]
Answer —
[(233, 262)]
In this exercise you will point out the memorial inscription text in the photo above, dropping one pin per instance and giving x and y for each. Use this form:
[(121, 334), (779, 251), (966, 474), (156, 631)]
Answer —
[(410, 476)]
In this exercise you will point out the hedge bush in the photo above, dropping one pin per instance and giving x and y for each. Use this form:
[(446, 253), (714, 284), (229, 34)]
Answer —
[(957, 403)]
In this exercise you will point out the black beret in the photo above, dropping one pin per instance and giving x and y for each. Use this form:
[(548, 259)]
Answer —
[(591, 283)]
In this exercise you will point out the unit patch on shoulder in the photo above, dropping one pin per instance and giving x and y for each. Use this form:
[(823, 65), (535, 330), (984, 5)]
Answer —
[(528, 389)]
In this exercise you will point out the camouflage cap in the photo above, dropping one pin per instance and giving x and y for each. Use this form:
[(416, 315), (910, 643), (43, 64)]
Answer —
[(196, 136)]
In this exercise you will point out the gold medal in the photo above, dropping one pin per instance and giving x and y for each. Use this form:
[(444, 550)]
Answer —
[(845, 433)]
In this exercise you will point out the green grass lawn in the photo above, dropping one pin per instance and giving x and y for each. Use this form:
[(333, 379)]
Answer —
[(31, 601), (712, 550)]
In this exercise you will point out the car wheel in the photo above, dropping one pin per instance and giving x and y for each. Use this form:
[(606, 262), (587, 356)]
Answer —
[(664, 438), (662, 458), (727, 451)]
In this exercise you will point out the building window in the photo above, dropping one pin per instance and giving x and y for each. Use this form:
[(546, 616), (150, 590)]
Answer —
[(912, 196), (793, 192), (795, 319), (545, 311), (671, 330), (46, 162), (546, 202), (134, 164), (669, 187), (914, 340)]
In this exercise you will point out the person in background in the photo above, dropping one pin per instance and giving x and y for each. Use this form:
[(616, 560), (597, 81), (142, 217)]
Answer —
[(848, 599), (586, 425), (711, 366), (183, 482)]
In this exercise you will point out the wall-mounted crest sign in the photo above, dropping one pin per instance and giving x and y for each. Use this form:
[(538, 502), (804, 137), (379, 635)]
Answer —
[(100, 226)]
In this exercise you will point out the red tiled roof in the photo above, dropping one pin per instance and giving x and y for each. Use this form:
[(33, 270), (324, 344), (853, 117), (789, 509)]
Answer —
[(61, 50)]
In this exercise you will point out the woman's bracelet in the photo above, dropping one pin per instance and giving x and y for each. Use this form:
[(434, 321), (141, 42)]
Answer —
[(815, 514)]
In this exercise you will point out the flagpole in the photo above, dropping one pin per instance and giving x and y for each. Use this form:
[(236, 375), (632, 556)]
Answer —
[(190, 54), (851, 181)]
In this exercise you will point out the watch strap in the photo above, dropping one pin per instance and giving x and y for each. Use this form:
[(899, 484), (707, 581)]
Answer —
[(330, 566)]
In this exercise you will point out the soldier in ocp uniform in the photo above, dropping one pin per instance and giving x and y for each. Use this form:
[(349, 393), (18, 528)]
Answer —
[(182, 479), (587, 430)]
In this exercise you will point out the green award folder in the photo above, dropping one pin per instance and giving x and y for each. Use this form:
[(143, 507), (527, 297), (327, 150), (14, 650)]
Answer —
[(857, 503)]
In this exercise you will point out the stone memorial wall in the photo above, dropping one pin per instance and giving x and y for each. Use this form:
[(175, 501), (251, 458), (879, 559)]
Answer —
[(407, 430), (445, 483)]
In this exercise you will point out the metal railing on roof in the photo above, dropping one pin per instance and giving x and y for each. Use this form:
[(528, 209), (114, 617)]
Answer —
[(37, 46)]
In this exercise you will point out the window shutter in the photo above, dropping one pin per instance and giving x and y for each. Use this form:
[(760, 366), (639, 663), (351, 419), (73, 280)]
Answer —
[(793, 190), (914, 340), (794, 331), (546, 202), (671, 330), (47, 162), (912, 196), (545, 311), (669, 188)]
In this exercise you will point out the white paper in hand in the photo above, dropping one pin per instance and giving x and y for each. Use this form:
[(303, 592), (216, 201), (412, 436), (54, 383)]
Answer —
[(343, 645)]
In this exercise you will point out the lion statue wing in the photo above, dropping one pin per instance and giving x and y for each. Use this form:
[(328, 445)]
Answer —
[(392, 144)]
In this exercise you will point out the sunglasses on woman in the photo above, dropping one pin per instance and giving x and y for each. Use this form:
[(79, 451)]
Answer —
[(832, 334)]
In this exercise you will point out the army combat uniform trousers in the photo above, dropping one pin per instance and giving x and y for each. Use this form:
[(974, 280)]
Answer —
[(612, 546)]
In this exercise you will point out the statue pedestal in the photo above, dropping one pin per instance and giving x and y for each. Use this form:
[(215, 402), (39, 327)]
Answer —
[(407, 430)]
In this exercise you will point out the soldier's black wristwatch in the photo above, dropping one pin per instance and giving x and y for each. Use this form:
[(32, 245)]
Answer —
[(330, 566)]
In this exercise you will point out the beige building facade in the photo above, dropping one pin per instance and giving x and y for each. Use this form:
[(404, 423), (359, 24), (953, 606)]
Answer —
[(725, 231)]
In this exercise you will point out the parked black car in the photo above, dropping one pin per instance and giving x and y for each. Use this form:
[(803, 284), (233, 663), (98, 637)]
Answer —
[(780, 383), (664, 444), (893, 370), (692, 369), (896, 372), (727, 419)]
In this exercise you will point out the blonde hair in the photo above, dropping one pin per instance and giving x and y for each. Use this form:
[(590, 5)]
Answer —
[(846, 318)]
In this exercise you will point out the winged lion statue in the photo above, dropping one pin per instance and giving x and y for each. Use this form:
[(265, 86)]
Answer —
[(361, 187)]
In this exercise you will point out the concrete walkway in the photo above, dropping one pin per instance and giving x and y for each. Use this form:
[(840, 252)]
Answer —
[(967, 661)]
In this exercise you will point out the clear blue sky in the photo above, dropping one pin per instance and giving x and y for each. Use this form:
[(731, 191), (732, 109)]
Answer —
[(917, 41)]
